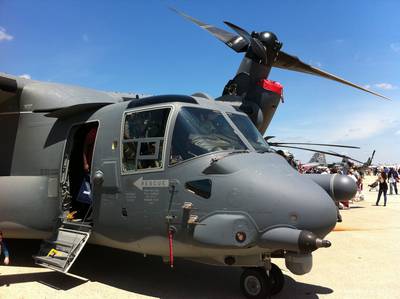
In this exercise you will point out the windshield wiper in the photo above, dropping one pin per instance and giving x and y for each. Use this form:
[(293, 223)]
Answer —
[(267, 150), (234, 152)]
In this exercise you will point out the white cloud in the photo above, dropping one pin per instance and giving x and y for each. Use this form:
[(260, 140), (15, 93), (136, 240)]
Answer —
[(386, 86), (366, 123), (369, 121), (4, 36), (395, 47), (315, 63), (25, 76)]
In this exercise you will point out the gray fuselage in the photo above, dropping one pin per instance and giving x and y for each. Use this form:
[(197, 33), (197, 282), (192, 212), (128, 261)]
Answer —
[(250, 191)]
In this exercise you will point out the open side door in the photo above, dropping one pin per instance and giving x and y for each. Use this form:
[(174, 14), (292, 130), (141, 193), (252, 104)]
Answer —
[(62, 249), (70, 235)]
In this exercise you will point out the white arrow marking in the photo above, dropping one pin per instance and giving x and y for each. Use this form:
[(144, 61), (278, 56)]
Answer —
[(141, 183)]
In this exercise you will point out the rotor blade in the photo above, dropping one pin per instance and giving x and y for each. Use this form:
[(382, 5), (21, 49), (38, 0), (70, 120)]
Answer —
[(293, 63), (235, 42), (243, 33), (317, 144), (345, 156), (255, 44), (335, 153), (322, 152), (266, 138)]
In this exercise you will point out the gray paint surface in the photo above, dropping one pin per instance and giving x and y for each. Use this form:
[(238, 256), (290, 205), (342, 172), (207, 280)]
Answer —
[(254, 192)]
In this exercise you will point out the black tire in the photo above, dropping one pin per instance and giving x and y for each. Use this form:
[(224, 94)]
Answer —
[(277, 279), (255, 284)]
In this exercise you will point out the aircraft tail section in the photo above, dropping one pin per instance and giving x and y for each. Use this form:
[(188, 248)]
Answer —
[(318, 158)]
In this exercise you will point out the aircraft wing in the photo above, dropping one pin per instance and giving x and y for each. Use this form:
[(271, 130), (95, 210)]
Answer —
[(13, 84), (55, 99), (8, 84), (72, 110), (10, 89)]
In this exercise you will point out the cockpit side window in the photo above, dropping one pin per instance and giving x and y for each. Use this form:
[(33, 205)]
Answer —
[(143, 140), (249, 131), (200, 131)]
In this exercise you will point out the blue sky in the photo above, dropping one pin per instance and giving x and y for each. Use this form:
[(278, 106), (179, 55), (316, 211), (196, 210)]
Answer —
[(141, 46)]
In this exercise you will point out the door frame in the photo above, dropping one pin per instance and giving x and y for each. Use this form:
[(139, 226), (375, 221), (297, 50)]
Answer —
[(66, 153)]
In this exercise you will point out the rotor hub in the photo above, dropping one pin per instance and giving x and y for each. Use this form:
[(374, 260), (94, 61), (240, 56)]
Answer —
[(269, 40)]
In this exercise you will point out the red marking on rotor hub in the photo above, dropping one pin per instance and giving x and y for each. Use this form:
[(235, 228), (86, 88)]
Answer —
[(273, 86)]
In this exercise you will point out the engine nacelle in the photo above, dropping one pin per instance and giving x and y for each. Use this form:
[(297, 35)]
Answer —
[(339, 187), (258, 98)]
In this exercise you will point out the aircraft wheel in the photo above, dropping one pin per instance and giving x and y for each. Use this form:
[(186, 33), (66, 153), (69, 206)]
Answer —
[(255, 283), (277, 279)]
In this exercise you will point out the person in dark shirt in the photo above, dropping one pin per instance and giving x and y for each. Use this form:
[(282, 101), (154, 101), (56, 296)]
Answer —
[(88, 146), (4, 250), (85, 200), (383, 187)]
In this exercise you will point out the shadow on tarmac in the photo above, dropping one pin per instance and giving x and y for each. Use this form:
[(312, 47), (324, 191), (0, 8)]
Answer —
[(54, 280), (147, 276)]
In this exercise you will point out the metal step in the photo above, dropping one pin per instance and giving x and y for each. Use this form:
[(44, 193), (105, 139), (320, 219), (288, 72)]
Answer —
[(80, 226), (59, 245), (65, 245), (59, 263)]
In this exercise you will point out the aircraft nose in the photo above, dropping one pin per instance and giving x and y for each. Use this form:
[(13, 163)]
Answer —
[(294, 200), (318, 213), (309, 207), (274, 194)]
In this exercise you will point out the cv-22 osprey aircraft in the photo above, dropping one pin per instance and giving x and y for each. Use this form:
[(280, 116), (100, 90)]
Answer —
[(170, 175)]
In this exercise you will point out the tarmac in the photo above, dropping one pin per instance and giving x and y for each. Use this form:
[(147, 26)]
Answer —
[(363, 262)]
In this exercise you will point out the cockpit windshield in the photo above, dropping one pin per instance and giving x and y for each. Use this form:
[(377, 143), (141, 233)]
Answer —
[(200, 131), (249, 131)]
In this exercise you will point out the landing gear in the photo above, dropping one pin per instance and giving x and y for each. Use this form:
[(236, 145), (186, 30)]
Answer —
[(257, 283), (277, 279)]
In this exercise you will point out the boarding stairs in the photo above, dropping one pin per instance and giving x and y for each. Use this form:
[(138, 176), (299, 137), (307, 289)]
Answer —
[(62, 249)]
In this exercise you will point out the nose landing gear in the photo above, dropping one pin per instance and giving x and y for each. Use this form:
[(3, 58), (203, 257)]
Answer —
[(260, 283), (277, 279)]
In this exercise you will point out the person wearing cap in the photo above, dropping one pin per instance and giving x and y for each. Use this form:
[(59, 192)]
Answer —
[(4, 250)]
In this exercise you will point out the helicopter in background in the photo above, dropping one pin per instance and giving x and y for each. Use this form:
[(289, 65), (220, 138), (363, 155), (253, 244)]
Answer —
[(319, 156), (171, 175)]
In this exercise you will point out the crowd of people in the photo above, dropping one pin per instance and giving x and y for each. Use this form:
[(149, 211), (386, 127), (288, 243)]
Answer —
[(387, 178)]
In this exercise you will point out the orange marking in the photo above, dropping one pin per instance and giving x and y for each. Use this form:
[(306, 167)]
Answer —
[(340, 228)]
